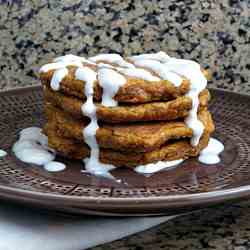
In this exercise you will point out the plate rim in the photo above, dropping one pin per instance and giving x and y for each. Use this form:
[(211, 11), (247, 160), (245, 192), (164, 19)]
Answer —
[(184, 197)]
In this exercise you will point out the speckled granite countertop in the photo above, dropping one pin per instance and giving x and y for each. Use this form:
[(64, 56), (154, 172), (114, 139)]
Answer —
[(215, 33), (221, 228)]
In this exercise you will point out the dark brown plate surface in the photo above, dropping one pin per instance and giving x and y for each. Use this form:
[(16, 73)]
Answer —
[(191, 185)]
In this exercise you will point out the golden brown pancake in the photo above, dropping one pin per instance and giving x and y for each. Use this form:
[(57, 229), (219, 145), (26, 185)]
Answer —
[(156, 111), (129, 137), (180, 149), (134, 91)]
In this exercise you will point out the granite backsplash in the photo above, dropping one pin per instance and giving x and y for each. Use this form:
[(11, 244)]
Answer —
[(215, 33)]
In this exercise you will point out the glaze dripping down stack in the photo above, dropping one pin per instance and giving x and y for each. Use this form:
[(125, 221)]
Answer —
[(126, 112)]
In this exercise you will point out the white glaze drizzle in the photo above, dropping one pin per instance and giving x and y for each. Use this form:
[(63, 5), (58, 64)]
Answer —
[(191, 70), (60, 66), (63, 62), (92, 164), (57, 77), (105, 65), (50, 66), (32, 147), (73, 59), (110, 81), (112, 58), (160, 70), (132, 72), (158, 166), (210, 155), (167, 68), (159, 56), (2, 153), (139, 73), (174, 70), (68, 58)]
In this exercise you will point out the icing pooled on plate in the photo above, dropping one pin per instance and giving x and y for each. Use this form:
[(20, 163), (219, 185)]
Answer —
[(158, 166), (54, 166), (32, 147), (210, 154)]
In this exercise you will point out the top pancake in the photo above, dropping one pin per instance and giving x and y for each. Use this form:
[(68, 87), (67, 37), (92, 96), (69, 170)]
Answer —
[(135, 90)]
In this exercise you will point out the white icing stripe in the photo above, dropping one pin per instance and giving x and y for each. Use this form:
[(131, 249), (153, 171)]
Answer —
[(210, 155), (160, 70), (110, 81), (174, 63), (68, 58), (87, 75), (192, 120), (59, 65), (156, 167), (92, 164), (160, 56), (132, 72), (2, 153), (192, 72), (139, 73), (105, 65), (73, 60), (50, 66), (57, 77), (106, 57), (112, 58), (64, 61), (174, 70)]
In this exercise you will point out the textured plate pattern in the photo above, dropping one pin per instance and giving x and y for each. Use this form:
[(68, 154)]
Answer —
[(23, 108)]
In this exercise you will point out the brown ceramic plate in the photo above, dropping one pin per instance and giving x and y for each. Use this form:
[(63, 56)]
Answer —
[(189, 186)]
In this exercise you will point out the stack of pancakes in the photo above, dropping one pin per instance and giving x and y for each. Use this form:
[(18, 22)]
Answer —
[(146, 126)]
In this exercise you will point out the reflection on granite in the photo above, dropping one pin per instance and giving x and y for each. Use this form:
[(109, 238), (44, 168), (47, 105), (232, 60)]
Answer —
[(220, 228), (215, 33)]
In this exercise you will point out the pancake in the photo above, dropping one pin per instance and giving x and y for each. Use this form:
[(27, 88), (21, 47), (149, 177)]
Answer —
[(156, 111), (174, 150), (134, 91), (138, 137)]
